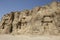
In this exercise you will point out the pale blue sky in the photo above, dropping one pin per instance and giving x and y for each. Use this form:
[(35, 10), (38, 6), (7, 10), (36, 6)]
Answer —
[(6, 6)]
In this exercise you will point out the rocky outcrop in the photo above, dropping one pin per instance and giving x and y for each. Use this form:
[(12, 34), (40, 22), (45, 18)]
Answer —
[(38, 21)]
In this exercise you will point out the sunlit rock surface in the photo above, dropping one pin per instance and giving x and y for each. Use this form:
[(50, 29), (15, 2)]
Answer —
[(43, 20)]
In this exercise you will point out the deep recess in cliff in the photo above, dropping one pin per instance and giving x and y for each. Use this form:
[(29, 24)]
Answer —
[(38, 21)]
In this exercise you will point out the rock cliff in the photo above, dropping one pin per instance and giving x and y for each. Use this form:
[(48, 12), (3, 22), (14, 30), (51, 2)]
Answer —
[(38, 21)]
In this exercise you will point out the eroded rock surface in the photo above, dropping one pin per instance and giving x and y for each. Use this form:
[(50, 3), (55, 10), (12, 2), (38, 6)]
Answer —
[(38, 21)]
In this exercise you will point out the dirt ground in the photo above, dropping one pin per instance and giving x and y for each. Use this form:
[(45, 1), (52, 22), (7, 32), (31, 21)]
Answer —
[(25, 37)]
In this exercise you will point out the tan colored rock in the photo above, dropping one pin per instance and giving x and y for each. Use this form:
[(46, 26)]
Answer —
[(6, 23), (43, 20)]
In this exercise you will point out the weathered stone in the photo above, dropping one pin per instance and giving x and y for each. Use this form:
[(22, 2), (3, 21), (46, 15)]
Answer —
[(43, 20)]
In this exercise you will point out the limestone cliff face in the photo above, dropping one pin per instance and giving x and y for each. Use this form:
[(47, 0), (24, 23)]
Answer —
[(39, 21)]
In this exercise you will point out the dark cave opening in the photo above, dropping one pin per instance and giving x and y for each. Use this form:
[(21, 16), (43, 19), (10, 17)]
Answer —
[(11, 29)]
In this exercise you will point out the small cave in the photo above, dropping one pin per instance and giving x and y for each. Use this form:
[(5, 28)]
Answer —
[(19, 25), (27, 14), (23, 18), (11, 29), (3, 25), (59, 26)]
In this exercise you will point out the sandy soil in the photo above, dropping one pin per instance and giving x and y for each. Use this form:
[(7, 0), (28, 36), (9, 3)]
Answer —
[(24, 37)]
